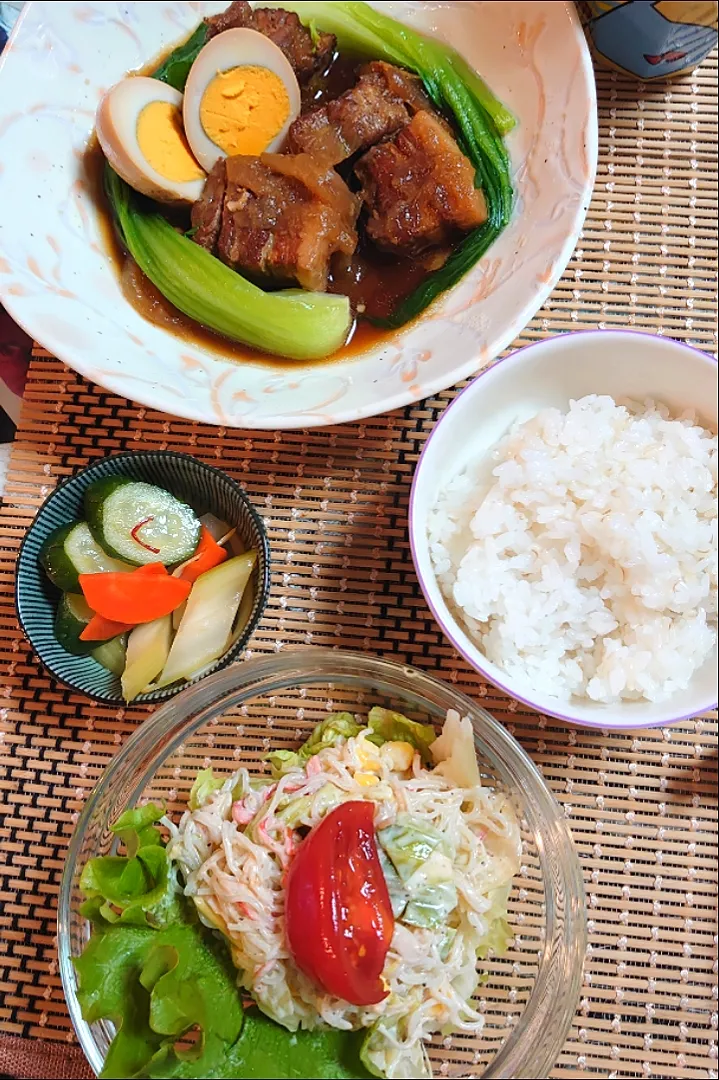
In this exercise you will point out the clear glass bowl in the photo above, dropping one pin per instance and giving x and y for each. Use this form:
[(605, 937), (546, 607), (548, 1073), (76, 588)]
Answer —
[(234, 718)]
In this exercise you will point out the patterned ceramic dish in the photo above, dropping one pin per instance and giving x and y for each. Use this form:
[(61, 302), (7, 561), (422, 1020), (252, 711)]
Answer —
[(528, 997), (59, 284), (551, 373), (206, 489)]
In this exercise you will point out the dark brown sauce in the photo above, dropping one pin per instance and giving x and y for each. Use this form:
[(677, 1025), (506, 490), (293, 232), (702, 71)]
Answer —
[(375, 283), (328, 85)]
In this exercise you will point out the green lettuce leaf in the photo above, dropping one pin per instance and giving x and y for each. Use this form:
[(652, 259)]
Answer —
[(142, 891), (267, 1050), (187, 975), (156, 986), (139, 888), (283, 762), (336, 727), (388, 726), (108, 989), (136, 828), (204, 788)]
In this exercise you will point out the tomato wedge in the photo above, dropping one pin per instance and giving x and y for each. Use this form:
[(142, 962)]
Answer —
[(141, 597), (339, 915)]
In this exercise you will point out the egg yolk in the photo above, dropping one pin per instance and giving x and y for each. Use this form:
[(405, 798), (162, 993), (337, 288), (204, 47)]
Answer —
[(162, 140), (244, 109)]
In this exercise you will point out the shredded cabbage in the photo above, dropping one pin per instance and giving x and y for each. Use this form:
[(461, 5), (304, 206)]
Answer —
[(449, 852), (454, 754)]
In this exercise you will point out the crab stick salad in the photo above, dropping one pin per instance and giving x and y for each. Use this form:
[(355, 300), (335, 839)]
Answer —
[(359, 886)]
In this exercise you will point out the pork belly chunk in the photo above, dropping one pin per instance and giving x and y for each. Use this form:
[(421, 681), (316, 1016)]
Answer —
[(400, 84), (207, 211), (283, 218), (238, 15), (382, 101), (306, 55), (419, 189)]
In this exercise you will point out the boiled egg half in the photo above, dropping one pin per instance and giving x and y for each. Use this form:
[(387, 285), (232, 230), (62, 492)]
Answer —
[(140, 129), (241, 97)]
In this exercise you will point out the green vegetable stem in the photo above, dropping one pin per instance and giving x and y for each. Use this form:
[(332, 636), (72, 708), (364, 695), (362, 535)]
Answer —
[(310, 326), (295, 324), (453, 87)]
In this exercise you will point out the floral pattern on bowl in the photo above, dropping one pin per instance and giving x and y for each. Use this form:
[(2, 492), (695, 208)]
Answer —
[(59, 284)]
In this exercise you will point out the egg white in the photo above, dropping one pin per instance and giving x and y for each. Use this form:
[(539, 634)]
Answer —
[(116, 125), (234, 48)]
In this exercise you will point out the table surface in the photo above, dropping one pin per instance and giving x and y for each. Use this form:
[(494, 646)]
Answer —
[(643, 806)]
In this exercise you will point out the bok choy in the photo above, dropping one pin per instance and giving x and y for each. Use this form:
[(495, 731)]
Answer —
[(175, 68), (295, 324), (300, 325), (453, 87), (359, 28)]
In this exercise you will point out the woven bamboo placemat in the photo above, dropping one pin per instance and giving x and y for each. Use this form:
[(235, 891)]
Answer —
[(643, 807)]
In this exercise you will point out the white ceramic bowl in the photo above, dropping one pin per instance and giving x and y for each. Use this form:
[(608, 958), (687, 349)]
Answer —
[(622, 364), (57, 282)]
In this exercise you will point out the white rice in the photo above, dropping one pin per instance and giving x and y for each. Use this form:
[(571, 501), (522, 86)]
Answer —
[(585, 562)]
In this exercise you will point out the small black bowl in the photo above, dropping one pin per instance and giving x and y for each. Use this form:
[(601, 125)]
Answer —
[(207, 490)]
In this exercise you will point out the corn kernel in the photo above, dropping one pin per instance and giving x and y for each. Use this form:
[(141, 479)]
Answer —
[(368, 756), (366, 779), (400, 755)]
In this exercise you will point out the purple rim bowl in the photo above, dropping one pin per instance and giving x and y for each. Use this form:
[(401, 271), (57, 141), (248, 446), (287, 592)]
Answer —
[(622, 363)]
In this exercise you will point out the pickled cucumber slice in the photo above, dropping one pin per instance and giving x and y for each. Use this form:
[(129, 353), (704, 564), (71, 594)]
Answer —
[(71, 618), (72, 550), (141, 523), (112, 655)]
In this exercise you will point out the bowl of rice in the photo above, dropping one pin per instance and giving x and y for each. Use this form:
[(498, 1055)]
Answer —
[(563, 524)]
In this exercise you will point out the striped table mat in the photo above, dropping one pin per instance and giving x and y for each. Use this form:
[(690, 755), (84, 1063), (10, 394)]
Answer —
[(643, 807)]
